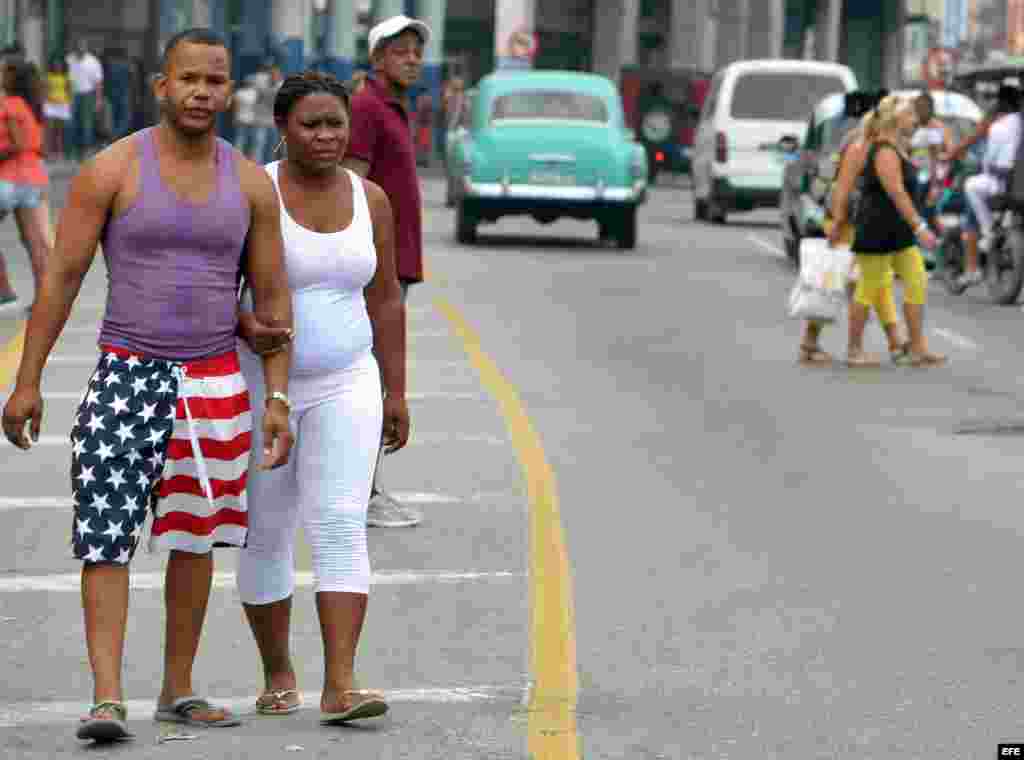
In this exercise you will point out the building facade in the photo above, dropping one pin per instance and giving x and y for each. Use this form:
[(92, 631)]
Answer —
[(472, 37)]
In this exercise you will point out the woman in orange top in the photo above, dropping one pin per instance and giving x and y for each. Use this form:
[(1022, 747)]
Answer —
[(23, 179)]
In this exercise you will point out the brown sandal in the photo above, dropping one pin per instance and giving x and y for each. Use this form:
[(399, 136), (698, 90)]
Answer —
[(814, 355), (927, 359), (862, 359)]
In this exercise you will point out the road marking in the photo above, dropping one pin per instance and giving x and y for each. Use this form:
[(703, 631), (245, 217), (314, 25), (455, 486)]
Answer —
[(15, 714), (770, 247), (958, 340), (154, 581), (551, 732), (10, 356), (12, 503)]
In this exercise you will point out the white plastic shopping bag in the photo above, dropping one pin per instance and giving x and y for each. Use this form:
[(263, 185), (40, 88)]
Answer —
[(820, 289)]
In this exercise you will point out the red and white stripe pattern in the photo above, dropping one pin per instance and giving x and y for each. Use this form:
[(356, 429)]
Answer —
[(217, 420)]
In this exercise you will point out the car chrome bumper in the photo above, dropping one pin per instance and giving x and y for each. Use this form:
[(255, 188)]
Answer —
[(574, 193)]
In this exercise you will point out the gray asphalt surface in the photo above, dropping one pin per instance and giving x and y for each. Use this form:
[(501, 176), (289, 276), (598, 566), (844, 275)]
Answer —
[(768, 561)]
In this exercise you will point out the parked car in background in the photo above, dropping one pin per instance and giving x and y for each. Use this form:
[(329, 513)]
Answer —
[(662, 106), (547, 144), (752, 110), (808, 179)]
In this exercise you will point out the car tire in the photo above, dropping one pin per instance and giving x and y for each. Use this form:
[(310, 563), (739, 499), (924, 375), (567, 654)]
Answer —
[(625, 228), (465, 223), (1005, 283), (700, 209), (716, 211)]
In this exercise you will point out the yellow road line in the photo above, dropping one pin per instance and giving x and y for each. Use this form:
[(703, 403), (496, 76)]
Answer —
[(10, 355), (552, 708)]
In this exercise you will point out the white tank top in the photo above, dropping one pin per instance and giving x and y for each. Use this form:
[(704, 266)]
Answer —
[(327, 273)]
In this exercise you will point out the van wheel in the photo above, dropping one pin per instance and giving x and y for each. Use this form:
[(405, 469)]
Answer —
[(700, 209), (625, 228)]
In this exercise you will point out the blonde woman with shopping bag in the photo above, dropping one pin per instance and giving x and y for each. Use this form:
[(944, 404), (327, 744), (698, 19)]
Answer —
[(887, 229)]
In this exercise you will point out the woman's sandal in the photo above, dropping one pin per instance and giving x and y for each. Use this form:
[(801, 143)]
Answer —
[(278, 702), (901, 356), (927, 359), (366, 704), (814, 355), (105, 723), (862, 359)]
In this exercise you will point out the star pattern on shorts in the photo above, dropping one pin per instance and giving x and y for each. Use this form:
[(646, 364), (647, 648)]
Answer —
[(118, 451)]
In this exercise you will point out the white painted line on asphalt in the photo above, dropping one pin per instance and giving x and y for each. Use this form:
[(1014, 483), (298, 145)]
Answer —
[(81, 331), (12, 503), (958, 340), (418, 439), (154, 581), (770, 247), (16, 714)]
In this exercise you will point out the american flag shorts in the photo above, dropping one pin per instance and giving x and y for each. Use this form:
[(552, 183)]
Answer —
[(163, 436)]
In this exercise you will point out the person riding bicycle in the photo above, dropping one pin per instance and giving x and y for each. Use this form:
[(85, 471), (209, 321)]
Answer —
[(1007, 101), (1000, 152)]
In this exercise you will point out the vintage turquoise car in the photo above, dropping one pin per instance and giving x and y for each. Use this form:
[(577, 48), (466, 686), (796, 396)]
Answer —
[(547, 144)]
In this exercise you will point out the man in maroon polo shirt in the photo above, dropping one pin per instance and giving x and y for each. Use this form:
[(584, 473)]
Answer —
[(381, 148)]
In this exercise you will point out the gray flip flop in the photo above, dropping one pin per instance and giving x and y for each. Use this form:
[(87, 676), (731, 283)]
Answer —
[(103, 730), (180, 711), (370, 706)]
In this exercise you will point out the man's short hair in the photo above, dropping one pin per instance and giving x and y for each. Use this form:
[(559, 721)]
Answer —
[(195, 36)]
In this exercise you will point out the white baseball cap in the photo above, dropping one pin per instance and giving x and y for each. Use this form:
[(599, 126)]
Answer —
[(394, 26)]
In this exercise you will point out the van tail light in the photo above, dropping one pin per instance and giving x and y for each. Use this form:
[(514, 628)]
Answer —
[(721, 148), (659, 157)]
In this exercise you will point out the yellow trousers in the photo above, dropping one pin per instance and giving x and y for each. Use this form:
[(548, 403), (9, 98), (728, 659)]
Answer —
[(875, 285)]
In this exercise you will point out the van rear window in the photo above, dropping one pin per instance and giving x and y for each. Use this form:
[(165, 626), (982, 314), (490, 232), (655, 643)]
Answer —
[(772, 96)]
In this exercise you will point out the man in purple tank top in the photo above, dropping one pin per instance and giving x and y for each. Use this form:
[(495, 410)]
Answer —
[(165, 424)]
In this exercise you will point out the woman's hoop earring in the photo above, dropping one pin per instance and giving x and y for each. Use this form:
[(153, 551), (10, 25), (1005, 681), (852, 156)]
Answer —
[(279, 146)]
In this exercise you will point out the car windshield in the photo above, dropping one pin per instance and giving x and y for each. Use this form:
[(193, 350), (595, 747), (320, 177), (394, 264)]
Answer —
[(549, 104), (775, 96)]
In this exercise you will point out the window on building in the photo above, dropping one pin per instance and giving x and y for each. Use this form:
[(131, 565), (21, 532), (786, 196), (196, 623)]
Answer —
[(780, 97)]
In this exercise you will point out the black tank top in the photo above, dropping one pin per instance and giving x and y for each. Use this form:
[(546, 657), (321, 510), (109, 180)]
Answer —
[(880, 228)]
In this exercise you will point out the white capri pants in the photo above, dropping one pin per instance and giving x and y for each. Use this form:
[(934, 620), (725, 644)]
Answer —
[(336, 420), (978, 190)]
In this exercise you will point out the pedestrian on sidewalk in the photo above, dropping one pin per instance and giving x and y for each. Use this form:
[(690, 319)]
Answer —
[(248, 138), (57, 109), (381, 149), (173, 207), (23, 177), (118, 85), (350, 318), (86, 74), (887, 227)]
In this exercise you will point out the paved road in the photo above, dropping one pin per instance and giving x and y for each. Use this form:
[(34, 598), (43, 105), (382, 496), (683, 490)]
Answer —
[(763, 560)]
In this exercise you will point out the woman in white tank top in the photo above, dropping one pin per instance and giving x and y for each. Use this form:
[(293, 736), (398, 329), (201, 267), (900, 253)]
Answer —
[(348, 316)]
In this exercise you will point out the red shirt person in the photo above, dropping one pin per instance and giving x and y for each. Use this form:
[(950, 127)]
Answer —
[(381, 147)]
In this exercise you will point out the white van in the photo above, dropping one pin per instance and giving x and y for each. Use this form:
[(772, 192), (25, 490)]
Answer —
[(750, 108)]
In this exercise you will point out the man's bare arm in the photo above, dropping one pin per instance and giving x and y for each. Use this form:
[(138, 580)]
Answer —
[(358, 165), (265, 270), (89, 201)]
